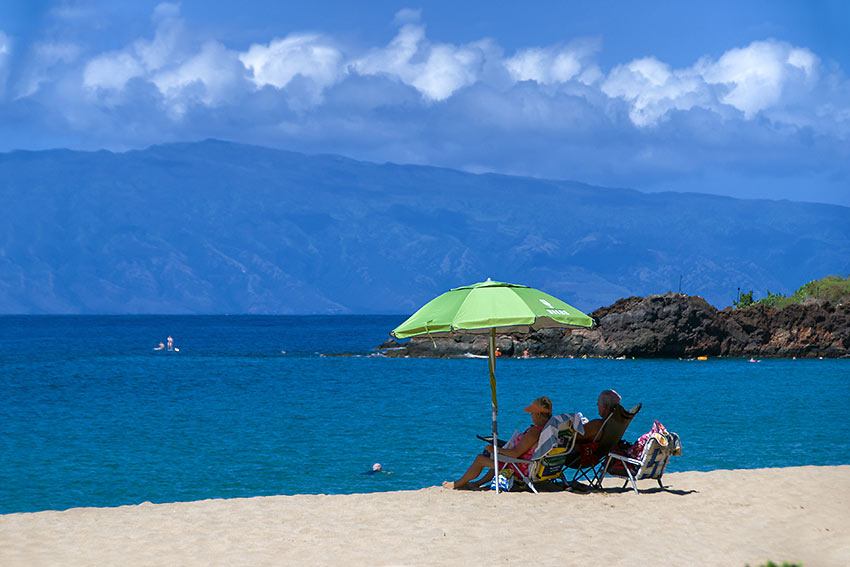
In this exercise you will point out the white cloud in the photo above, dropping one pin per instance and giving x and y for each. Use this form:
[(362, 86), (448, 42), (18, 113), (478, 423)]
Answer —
[(761, 77), (541, 110), (114, 69), (183, 75), (652, 88), (156, 53), (551, 65), (758, 74), (165, 11), (281, 60), (408, 16), (446, 70), (435, 70), (111, 71), (216, 69), (752, 79)]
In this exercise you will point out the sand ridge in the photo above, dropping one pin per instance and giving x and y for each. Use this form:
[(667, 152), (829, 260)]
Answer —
[(797, 514)]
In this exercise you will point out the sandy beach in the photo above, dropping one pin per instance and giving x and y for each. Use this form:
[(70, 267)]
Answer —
[(742, 517)]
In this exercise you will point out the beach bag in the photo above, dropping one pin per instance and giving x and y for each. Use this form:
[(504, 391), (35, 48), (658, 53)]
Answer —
[(505, 478)]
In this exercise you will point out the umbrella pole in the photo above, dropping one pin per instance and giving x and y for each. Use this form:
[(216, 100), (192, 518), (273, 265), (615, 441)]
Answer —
[(492, 359)]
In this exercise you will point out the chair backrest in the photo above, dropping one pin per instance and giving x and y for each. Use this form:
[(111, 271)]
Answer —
[(559, 431), (566, 436), (614, 428), (653, 459), (556, 441)]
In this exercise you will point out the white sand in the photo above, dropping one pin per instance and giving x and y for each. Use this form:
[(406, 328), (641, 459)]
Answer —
[(735, 518)]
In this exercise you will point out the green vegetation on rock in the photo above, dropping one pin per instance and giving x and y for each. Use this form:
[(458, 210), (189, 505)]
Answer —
[(744, 300), (835, 289)]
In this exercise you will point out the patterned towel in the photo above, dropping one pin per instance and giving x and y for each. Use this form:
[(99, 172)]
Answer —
[(549, 435)]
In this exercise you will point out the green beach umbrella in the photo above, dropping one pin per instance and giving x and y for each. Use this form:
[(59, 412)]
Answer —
[(484, 307)]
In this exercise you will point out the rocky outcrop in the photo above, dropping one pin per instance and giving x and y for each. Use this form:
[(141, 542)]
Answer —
[(671, 325), (810, 329), (666, 326)]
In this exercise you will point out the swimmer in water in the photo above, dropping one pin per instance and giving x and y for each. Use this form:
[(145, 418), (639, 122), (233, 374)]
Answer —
[(376, 468)]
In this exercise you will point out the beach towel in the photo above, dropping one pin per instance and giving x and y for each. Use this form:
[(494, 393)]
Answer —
[(549, 435), (665, 438)]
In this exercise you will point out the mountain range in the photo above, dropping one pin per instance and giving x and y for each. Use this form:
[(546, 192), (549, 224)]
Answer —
[(219, 227)]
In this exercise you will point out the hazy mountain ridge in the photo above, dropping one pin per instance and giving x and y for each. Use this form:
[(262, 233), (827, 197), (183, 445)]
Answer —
[(215, 227)]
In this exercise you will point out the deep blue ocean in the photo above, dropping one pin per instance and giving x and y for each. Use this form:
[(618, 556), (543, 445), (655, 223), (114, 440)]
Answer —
[(91, 415)]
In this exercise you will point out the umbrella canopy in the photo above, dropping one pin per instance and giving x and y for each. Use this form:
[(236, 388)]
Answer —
[(487, 306), (483, 306)]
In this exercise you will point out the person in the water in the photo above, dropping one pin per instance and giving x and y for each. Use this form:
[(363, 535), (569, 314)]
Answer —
[(376, 468)]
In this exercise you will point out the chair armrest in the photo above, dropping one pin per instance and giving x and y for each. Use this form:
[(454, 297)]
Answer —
[(624, 459), (506, 459), (489, 439)]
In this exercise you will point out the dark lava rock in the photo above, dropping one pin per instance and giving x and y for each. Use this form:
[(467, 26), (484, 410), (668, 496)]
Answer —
[(810, 329), (670, 325), (665, 326)]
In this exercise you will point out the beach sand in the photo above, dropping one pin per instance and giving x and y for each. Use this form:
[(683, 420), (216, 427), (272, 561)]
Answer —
[(742, 517)]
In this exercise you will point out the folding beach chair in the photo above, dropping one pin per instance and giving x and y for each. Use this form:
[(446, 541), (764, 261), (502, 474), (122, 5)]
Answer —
[(590, 458), (651, 464), (554, 447)]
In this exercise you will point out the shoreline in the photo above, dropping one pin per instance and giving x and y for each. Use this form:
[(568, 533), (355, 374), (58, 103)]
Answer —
[(610, 486), (729, 517)]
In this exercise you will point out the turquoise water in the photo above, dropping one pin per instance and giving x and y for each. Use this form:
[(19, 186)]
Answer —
[(92, 416)]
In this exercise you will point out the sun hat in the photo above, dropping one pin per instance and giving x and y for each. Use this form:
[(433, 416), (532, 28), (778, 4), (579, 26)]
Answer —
[(539, 406)]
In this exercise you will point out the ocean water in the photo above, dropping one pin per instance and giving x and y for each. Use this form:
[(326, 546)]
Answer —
[(92, 416)]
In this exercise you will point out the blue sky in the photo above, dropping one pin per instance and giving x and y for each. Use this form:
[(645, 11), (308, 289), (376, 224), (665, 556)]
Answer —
[(749, 100)]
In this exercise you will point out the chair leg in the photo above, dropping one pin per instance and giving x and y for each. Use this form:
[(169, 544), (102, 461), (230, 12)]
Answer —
[(525, 479), (599, 473), (632, 479), (564, 480)]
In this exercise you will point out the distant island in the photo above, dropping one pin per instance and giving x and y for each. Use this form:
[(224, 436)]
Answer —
[(216, 227), (812, 322)]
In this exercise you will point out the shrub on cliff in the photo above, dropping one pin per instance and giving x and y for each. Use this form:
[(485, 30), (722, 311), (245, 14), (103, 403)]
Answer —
[(835, 289), (744, 299), (832, 288)]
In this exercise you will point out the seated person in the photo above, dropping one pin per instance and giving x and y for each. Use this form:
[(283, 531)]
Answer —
[(605, 404), (540, 410)]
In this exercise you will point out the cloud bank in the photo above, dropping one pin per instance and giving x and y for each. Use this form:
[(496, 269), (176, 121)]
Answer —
[(759, 120)]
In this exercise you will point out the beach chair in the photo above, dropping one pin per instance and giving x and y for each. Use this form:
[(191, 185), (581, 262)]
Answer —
[(554, 448), (652, 463), (590, 458)]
